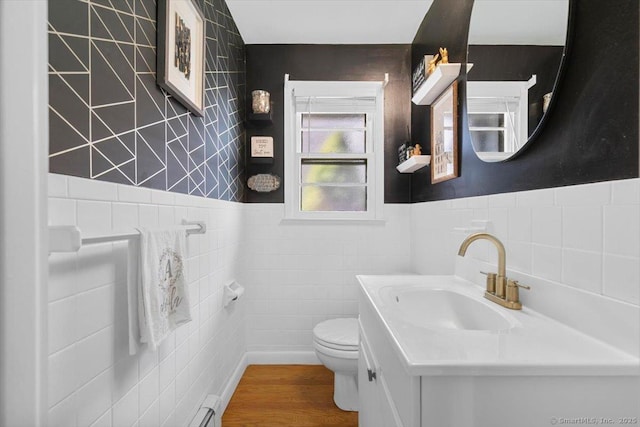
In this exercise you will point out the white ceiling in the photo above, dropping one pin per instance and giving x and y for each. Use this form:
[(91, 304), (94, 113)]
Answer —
[(393, 21), (328, 21), (534, 22)]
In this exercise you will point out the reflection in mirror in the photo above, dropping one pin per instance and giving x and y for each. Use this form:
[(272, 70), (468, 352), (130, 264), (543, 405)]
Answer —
[(516, 49)]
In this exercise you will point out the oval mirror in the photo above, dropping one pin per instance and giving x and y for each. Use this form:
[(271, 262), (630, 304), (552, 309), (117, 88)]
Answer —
[(516, 51)]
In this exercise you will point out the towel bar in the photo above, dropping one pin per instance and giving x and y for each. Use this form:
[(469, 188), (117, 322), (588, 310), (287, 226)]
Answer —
[(68, 238)]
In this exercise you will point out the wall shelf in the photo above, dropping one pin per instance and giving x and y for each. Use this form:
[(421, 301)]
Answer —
[(261, 160), (260, 118), (413, 164), (436, 83)]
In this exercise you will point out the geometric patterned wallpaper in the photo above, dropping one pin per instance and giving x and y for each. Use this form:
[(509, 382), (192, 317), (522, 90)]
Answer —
[(110, 121)]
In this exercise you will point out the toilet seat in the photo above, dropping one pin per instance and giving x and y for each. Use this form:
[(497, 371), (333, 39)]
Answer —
[(337, 334), (337, 353), (335, 346)]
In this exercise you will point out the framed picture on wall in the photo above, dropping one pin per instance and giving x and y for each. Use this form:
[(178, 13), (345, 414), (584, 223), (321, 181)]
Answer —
[(444, 136), (180, 54)]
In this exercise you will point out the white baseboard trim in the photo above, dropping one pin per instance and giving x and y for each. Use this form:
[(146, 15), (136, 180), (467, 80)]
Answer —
[(232, 383), (282, 358)]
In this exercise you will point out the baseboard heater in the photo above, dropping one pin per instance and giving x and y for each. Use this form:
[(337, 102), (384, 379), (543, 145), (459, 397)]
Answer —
[(209, 413)]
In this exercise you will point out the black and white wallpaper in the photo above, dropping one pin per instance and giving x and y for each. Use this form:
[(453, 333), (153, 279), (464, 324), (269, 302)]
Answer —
[(110, 121)]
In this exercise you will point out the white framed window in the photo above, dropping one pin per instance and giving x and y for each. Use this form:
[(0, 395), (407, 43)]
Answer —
[(498, 116), (334, 150)]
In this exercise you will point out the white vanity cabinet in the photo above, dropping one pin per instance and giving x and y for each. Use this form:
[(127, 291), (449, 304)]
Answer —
[(388, 396), (465, 367)]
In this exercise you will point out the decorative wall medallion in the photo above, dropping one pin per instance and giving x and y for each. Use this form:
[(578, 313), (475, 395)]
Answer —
[(264, 183)]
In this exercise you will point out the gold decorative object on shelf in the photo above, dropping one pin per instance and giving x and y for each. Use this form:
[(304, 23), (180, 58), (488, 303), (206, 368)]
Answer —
[(444, 55), (433, 63), (417, 150)]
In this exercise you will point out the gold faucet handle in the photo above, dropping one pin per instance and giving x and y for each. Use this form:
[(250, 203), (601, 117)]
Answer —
[(491, 281), (515, 282), (512, 290)]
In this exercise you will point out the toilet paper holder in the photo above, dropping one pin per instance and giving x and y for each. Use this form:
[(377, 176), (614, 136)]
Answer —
[(232, 292)]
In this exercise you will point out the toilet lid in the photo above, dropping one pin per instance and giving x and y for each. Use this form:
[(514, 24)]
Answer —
[(341, 334)]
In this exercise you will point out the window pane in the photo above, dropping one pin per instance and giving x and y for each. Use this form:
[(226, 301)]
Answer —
[(333, 141), (333, 171), (493, 105), (333, 121), (488, 140), (486, 120), (321, 198)]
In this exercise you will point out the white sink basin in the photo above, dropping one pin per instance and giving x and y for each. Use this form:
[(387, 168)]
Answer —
[(442, 309), (443, 325)]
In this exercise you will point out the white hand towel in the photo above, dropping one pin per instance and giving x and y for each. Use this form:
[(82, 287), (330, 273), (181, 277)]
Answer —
[(133, 287), (163, 297)]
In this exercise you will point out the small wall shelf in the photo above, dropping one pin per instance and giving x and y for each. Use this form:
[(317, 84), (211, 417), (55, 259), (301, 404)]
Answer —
[(437, 82), (413, 164), (260, 119), (261, 160)]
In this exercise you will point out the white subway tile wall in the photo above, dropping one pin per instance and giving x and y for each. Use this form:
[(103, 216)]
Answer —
[(298, 275), (295, 275), (584, 236), (92, 379)]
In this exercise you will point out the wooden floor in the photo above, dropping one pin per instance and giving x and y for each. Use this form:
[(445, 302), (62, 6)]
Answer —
[(286, 395)]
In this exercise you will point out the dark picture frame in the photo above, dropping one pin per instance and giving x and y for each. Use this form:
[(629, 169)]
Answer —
[(181, 52), (444, 136)]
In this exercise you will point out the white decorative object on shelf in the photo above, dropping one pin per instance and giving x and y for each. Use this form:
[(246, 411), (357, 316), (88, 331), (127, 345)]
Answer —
[(437, 82), (413, 164)]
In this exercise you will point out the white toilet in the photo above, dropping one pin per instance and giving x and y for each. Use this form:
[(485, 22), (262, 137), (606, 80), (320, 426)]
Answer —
[(336, 344)]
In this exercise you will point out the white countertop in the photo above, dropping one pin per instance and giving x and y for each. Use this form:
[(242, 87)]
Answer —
[(532, 345)]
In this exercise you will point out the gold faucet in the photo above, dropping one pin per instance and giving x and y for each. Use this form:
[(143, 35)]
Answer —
[(500, 290)]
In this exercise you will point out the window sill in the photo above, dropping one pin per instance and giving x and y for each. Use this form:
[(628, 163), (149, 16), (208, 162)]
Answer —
[(342, 221)]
